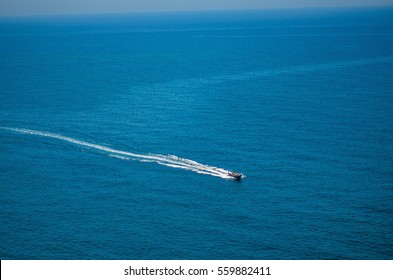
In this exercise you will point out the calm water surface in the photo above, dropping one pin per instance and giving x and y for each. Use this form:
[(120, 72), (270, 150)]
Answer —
[(116, 132)]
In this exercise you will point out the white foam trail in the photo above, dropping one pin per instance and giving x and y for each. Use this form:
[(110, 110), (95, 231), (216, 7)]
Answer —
[(167, 160)]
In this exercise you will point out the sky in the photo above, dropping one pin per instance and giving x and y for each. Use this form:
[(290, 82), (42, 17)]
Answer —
[(49, 7)]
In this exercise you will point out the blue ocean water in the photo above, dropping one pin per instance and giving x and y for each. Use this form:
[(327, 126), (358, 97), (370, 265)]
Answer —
[(117, 131)]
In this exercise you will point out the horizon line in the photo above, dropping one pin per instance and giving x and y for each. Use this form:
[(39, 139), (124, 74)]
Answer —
[(140, 12)]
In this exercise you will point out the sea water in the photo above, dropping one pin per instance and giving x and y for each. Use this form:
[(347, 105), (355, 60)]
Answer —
[(117, 133)]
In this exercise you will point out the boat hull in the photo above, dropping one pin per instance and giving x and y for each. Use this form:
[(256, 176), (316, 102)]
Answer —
[(235, 175)]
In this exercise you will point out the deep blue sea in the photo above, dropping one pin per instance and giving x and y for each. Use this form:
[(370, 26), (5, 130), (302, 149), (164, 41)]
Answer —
[(117, 131)]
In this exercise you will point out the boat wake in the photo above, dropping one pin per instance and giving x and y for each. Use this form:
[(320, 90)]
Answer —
[(167, 160)]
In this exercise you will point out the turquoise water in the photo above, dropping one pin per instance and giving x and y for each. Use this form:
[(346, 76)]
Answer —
[(117, 131)]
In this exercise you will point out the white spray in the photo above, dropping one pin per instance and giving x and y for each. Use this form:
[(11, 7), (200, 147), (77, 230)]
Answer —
[(167, 160)]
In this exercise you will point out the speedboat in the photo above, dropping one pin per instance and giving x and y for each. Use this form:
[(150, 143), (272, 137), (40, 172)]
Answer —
[(236, 176)]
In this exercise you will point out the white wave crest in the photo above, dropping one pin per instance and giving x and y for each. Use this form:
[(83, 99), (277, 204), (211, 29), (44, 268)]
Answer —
[(167, 160)]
